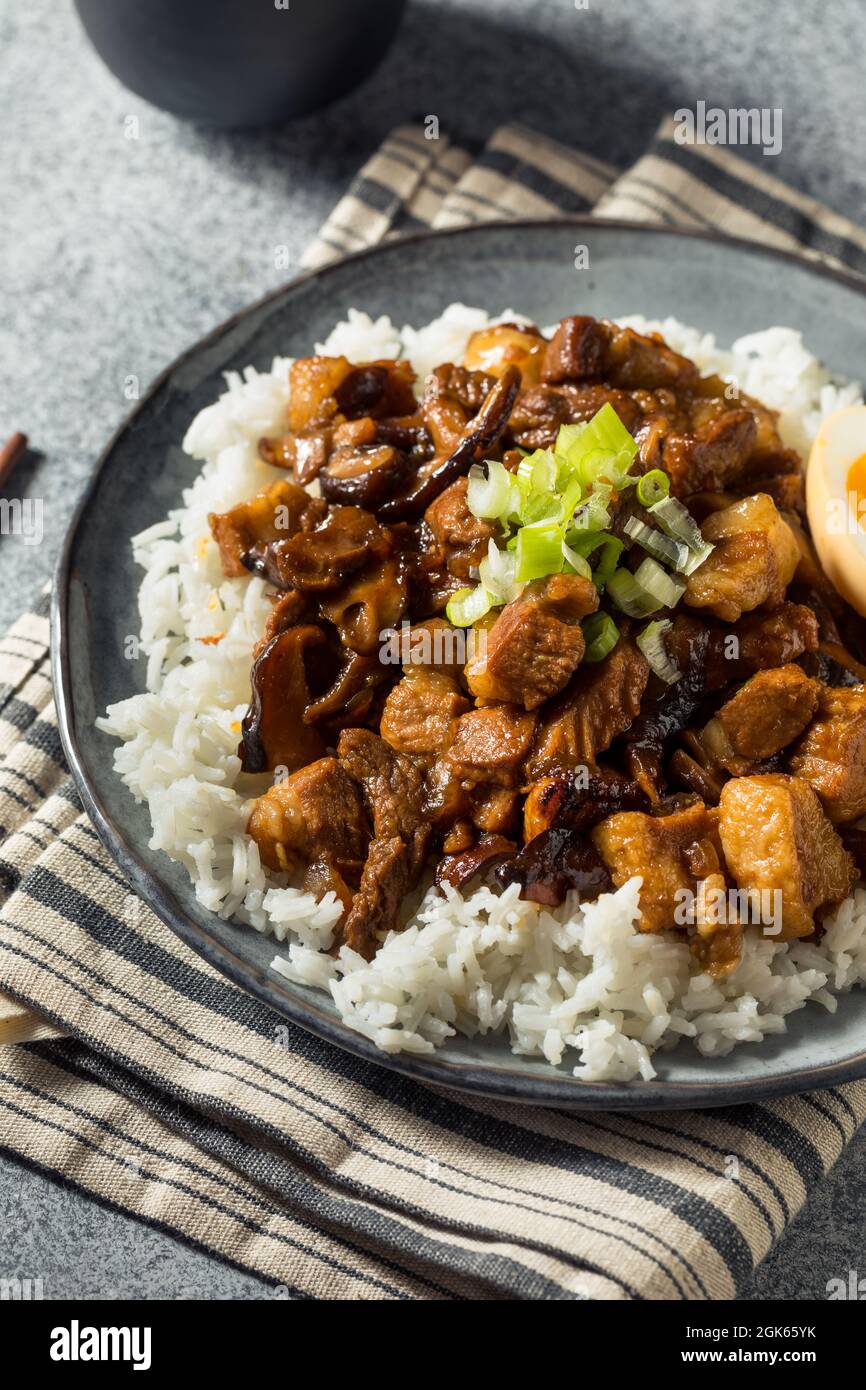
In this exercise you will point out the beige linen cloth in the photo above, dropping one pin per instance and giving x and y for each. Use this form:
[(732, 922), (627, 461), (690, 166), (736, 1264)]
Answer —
[(176, 1097)]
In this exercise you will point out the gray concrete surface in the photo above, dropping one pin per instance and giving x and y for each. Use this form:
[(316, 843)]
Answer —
[(117, 253)]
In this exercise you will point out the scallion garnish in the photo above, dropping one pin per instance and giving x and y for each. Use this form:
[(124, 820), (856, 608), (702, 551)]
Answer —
[(652, 487), (538, 551), (646, 591), (677, 522), (601, 635), (651, 642), (466, 606), (656, 543)]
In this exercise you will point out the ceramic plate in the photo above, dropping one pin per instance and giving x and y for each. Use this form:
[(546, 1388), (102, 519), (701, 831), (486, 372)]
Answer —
[(726, 286)]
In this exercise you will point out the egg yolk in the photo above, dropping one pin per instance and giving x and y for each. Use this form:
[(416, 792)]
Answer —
[(856, 488)]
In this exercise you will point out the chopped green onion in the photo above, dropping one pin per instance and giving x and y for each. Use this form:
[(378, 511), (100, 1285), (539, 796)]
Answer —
[(540, 469), (585, 542), (468, 605), (651, 642), (630, 596), (672, 552), (570, 499), (652, 487), (496, 573), (600, 448), (489, 489), (538, 551), (528, 504), (601, 635), (593, 515), (646, 591), (659, 583), (611, 551), (577, 562), (676, 521)]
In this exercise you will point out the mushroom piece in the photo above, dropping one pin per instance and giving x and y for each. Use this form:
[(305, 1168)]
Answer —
[(363, 476), (552, 864), (305, 451), (279, 511), (371, 603), (478, 436), (459, 869), (274, 732), (501, 345), (351, 692), (321, 560)]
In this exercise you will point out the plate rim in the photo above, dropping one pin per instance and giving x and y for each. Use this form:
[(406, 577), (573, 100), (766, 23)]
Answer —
[(558, 1089)]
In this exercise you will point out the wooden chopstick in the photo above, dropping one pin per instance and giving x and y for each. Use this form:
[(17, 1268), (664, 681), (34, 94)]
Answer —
[(11, 455)]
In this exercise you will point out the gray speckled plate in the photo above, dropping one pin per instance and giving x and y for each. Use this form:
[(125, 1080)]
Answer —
[(726, 286)]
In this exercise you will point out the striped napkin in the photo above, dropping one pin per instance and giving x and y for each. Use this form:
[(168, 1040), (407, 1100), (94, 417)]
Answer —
[(176, 1097)]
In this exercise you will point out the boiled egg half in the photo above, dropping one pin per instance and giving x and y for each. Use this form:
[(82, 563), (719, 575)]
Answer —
[(836, 501)]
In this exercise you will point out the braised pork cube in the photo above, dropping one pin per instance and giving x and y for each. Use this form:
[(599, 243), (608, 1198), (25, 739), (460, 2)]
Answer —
[(576, 350), (274, 730), (773, 639), (393, 791), (777, 839), (764, 716), (316, 814), (753, 562), (495, 810), (277, 512), (536, 643), (421, 712), (375, 910), (491, 745), (601, 702), (662, 850), (540, 410), (585, 347), (438, 645), (393, 788), (325, 389), (712, 456), (461, 538), (831, 756)]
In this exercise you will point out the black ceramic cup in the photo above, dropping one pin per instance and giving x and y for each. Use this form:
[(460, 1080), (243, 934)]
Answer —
[(236, 63)]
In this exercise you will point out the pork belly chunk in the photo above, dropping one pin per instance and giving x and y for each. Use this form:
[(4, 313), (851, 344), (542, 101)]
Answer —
[(768, 712), (421, 712), (535, 644), (460, 536), (776, 837), (753, 562), (491, 744), (831, 756), (277, 512), (601, 702), (669, 853), (316, 813), (393, 792)]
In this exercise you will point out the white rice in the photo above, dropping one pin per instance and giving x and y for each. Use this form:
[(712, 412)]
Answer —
[(575, 984)]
